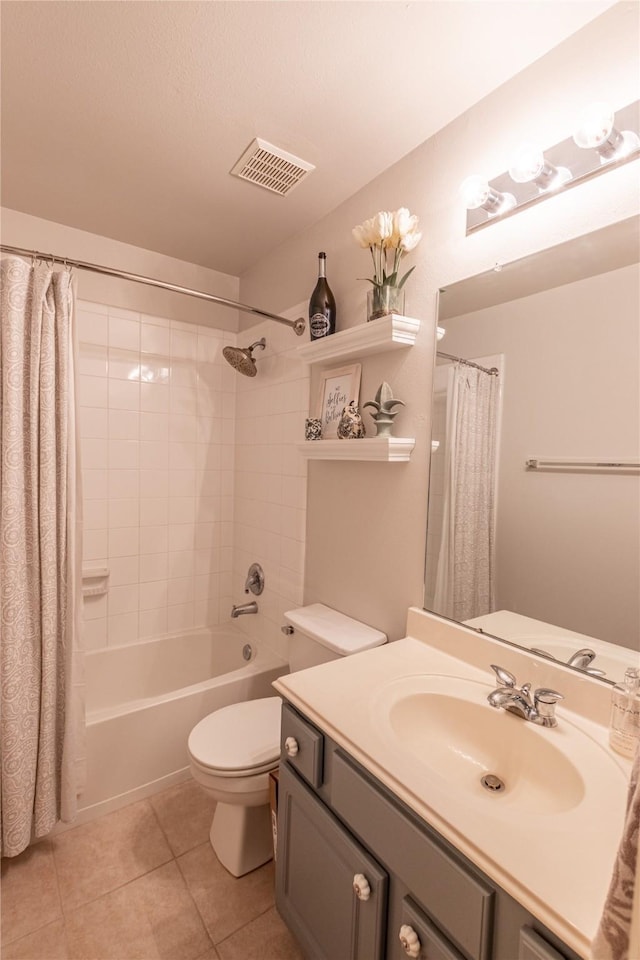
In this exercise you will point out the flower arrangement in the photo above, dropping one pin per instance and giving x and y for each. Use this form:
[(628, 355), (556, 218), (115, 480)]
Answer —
[(389, 236)]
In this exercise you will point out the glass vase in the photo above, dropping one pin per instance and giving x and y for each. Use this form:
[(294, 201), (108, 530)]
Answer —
[(384, 300)]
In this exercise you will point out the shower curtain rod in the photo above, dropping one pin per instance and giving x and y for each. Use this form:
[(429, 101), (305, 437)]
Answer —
[(493, 371), (298, 325)]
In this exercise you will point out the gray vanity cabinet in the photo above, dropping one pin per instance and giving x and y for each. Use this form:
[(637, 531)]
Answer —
[(317, 866), (359, 876)]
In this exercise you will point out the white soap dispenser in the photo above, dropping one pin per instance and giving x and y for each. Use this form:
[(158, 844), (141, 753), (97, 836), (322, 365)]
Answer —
[(624, 728)]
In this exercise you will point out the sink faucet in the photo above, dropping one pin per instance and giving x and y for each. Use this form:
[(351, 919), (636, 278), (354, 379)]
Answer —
[(243, 608), (539, 708), (581, 659)]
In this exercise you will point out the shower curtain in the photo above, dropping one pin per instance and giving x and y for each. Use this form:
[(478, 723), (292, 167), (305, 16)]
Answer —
[(465, 570), (41, 707)]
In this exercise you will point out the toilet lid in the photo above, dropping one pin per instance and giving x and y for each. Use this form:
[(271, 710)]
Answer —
[(241, 736)]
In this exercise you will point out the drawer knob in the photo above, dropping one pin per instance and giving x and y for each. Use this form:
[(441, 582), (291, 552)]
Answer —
[(410, 941), (361, 886), (291, 746)]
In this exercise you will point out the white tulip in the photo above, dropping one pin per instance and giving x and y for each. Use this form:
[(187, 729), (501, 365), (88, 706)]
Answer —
[(410, 241), (361, 235), (383, 226)]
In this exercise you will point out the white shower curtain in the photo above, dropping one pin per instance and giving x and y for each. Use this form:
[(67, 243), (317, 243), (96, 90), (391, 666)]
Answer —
[(41, 707), (465, 572)]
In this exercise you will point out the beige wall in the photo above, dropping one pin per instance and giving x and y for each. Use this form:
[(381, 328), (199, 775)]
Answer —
[(22, 230), (366, 522)]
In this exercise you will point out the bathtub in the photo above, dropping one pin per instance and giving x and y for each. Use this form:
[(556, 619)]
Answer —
[(143, 700)]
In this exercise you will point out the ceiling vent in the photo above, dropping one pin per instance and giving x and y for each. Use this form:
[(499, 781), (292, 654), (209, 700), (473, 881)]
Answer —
[(270, 167)]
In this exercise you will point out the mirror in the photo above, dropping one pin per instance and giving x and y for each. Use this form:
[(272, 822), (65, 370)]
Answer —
[(534, 499)]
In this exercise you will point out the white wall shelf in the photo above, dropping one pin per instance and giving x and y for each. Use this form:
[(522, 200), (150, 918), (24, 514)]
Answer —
[(378, 336), (381, 449)]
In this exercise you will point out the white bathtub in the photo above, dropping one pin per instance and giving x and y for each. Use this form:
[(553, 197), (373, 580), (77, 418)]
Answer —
[(143, 700)]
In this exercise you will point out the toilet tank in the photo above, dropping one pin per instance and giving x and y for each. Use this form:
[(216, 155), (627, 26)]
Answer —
[(321, 634)]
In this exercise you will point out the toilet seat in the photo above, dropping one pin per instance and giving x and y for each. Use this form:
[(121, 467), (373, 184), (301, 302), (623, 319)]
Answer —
[(239, 740)]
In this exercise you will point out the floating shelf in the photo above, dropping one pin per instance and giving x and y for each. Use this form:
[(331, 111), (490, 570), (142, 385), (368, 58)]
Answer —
[(382, 449), (385, 333)]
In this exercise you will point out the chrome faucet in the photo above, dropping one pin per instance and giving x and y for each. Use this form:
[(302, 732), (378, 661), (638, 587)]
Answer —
[(243, 608), (582, 659), (539, 708)]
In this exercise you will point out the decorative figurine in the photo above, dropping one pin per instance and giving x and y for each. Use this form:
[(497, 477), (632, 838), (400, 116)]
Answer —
[(350, 425), (385, 413), (313, 429)]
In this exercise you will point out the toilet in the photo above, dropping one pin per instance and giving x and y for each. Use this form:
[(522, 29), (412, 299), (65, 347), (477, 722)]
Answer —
[(233, 750)]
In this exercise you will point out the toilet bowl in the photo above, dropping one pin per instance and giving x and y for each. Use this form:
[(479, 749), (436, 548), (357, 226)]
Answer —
[(231, 753), (233, 750)]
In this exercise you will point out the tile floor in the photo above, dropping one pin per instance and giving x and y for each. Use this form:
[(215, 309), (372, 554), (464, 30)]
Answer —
[(140, 884)]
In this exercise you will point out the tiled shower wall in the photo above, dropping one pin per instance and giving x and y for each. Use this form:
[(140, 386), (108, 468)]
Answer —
[(271, 479), (157, 406)]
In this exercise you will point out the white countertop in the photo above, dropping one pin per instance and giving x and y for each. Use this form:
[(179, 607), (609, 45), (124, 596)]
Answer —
[(557, 865)]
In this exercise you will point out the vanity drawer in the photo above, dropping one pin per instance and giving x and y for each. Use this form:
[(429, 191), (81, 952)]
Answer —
[(433, 946), (302, 746), (458, 901)]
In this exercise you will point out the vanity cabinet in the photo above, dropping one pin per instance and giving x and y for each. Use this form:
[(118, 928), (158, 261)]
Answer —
[(359, 876)]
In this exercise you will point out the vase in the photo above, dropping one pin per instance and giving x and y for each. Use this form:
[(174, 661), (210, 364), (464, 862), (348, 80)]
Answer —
[(383, 300)]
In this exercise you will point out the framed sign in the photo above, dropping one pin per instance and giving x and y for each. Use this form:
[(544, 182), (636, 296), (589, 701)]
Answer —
[(338, 387)]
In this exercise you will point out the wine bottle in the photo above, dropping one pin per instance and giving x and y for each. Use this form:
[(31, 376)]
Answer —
[(322, 305)]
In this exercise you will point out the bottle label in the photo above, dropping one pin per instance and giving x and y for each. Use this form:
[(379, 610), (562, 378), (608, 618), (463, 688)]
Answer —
[(318, 325)]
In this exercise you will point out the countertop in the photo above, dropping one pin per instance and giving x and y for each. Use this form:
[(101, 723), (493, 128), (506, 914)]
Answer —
[(557, 865)]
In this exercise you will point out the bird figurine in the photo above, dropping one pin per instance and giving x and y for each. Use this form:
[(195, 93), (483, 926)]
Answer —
[(350, 425)]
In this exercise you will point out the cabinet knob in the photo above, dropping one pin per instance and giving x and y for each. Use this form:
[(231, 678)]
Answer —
[(361, 886), (410, 941), (291, 746)]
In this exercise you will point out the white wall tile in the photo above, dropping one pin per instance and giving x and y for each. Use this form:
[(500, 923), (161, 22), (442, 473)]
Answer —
[(123, 484), (154, 511), (123, 599), (93, 608), (94, 633), (95, 514), (155, 339), (154, 426), (153, 623), (92, 391), (92, 327), (124, 333), (154, 397), (153, 594), (94, 544), (154, 567), (123, 541), (123, 454), (92, 360), (93, 422), (124, 424), (154, 454), (124, 395), (154, 539), (94, 484), (123, 570), (124, 512), (124, 364), (93, 454), (122, 628)]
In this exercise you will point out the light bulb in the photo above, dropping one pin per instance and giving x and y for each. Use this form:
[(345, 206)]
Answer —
[(595, 124), (476, 192), (529, 165), (596, 131)]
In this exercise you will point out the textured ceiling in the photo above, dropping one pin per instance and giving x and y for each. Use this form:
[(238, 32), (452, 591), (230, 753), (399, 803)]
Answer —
[(124, 118)]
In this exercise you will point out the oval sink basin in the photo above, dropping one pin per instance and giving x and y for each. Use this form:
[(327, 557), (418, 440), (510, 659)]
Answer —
[(451, 731)]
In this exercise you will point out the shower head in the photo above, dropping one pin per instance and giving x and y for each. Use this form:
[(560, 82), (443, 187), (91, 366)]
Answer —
[(241, 358)]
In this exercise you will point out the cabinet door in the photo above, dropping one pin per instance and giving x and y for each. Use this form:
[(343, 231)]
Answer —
[(318, 867), (534, 947)]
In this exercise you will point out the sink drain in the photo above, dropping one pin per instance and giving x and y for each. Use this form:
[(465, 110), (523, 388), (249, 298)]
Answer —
[(492, 783)]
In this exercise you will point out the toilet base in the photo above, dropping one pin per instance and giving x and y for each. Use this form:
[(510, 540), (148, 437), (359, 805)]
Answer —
[(241, 837)]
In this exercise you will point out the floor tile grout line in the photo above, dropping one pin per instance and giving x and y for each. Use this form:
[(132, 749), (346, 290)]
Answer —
[(193, 900), (62, 912)]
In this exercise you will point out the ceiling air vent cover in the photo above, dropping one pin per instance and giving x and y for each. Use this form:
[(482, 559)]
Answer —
[(270, 167)]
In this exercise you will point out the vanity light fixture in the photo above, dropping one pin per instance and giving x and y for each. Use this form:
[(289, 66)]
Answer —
[(529, 165), (477, 193), (604, 140), (596, 131)]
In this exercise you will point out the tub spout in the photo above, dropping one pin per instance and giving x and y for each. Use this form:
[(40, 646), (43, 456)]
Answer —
[(243, 608)]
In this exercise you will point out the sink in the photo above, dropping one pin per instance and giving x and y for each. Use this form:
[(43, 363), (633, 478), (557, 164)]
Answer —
[(447, 728)]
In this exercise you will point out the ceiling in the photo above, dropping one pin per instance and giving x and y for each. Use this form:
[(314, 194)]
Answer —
[(124, 118)]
